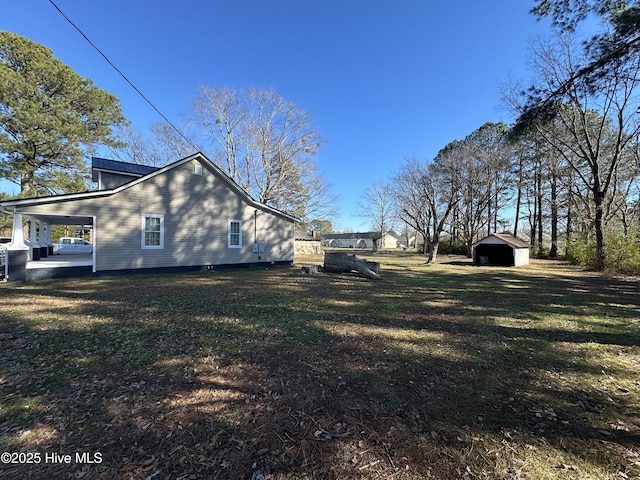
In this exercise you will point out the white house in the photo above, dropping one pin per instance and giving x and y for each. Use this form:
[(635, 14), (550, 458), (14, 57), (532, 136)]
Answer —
[(361, 240)]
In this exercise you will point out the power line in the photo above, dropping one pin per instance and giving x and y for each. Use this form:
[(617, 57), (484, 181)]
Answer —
[(184, 137)]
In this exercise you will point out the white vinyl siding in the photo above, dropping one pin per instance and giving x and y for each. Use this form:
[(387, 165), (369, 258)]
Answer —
[(152, 231), (235, 233)]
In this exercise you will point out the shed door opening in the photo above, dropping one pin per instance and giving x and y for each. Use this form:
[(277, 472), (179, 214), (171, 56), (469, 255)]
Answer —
[(491, 254)]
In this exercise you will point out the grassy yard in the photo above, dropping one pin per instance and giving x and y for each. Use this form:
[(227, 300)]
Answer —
[(445, 371)]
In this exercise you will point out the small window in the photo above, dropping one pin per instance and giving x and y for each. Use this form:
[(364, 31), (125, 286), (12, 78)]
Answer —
[(235, 233), (197, 168), (152, 231)]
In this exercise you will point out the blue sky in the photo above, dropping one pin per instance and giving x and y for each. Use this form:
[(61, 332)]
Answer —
[(382, 80)]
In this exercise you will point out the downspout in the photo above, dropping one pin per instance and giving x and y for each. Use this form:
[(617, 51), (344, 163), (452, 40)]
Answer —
[(255, 226), (255, 234), (93, 250)]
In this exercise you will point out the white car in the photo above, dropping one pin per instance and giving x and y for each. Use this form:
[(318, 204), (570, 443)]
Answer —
[(72, 245)]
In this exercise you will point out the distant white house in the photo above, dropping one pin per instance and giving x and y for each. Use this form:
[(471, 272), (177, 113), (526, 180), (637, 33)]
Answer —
[(361, 240)]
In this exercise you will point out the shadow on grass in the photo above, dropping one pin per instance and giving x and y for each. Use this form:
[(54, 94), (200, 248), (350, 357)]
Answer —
[(432, 372)]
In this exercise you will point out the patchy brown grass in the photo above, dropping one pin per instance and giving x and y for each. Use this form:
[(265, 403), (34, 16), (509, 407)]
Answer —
[(442, 371)]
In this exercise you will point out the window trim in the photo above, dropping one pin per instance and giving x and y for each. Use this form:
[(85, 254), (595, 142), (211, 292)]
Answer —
[(144, 231), (229, 244)]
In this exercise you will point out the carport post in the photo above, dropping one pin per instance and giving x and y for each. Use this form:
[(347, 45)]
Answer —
[(33, 240), (47, 239), (17, 252), (43, 236)]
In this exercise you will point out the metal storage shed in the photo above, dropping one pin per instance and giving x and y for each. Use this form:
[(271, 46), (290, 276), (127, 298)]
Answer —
[(501, 249)]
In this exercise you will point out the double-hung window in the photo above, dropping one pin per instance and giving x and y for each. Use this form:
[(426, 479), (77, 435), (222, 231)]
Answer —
[(152, 231), (235, 233)]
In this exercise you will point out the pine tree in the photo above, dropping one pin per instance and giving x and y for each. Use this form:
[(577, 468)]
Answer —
[(49, 115)]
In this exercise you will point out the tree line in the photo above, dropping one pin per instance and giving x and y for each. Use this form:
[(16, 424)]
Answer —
[(566, 172)]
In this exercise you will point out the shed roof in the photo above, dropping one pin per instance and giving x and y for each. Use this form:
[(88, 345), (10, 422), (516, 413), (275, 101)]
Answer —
[(506, 238)]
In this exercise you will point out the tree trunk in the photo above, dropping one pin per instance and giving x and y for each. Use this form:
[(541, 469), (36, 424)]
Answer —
[(533, 219), (515, 222), (518, 200), (553, 251), (569, 215), (339, 262), (433, 251), (539, 221), (495, 214), (599, 227), (27, 187), (489, 213), (434, 241), (454, 233)]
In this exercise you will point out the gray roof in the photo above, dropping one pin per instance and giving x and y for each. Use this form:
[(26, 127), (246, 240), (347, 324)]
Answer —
[(306, 237), (349, 235), (353, 235), (125, 168)]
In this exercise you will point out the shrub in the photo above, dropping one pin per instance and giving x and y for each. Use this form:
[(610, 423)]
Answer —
[(622, 253), (582, 252), (455, 247)]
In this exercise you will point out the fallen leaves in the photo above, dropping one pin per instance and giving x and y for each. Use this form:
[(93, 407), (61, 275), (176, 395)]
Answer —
[(263, 376)]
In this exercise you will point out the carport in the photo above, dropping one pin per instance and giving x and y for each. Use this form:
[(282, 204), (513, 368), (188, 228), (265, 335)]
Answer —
[(33, 259), (501, 249)]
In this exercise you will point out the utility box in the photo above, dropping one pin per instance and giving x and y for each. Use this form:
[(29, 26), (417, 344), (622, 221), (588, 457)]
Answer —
[(258, 247)]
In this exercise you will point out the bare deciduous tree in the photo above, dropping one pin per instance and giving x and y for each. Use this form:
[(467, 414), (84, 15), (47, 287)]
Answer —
[(425, 199), (163, 146), (378, 206), (220, 115), (478, 168), (266, 144)]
